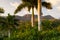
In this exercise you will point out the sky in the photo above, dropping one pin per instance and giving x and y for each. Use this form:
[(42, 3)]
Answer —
[(10, 5)]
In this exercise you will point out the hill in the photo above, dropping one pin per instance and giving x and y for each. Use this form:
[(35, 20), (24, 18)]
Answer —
[(27, 17)]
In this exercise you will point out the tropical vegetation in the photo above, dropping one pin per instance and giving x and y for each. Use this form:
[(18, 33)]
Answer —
[(14, 29), (29, 4), (20, 30)]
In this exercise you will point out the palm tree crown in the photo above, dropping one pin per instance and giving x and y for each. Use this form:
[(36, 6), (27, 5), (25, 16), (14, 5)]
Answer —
[(30, 4)]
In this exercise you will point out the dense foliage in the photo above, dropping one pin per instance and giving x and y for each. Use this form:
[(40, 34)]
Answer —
[(31, 4), (22, 30)]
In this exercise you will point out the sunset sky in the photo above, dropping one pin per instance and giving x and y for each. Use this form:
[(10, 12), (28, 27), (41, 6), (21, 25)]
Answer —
[(10, 5)]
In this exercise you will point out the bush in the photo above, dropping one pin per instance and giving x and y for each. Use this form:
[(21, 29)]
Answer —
[(46, 24), (25, 32), (25, 35), (55, 23), (49, 35)]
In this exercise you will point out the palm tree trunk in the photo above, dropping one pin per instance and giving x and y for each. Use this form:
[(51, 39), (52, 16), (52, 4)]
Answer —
[(9, 33), (39, 13), (32, 17)]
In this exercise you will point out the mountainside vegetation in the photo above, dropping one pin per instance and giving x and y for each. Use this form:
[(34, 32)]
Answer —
[(20, 30)]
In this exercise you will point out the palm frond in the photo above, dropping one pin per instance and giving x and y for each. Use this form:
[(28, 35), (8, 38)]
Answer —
[(29, 7), (21, 6), (47, 5), (30, 3)]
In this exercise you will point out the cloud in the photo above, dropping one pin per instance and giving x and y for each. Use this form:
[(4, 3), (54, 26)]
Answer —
[(58, 8), (54, 2), (55, 12), (15, 4)]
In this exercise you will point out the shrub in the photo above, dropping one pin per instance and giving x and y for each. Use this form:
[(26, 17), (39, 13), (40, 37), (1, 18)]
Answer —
[(46, 24), (49, 35)]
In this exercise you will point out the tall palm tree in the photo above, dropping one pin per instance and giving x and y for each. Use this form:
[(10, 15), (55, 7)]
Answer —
[(45, 4), (39, 11), (30, 4)]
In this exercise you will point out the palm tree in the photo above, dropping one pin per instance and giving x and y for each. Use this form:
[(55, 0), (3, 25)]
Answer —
[(8, 24), (30, 4), (11, 23), (45, 4), (39, 11)]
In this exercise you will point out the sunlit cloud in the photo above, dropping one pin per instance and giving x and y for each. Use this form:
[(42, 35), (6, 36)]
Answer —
[(15, 4), (54, 2), (58, 8)]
